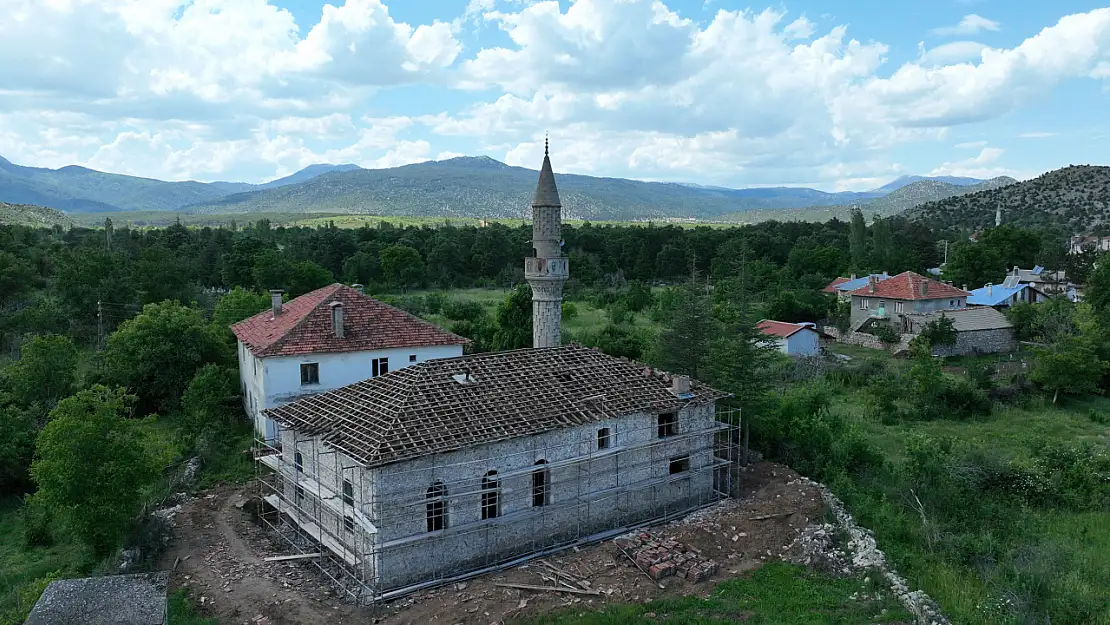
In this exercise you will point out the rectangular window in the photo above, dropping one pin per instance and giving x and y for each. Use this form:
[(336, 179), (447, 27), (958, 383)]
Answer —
[(255, 363), (310, 373), (864, 303), (348, 493), (680, 464), (899, 306), (604, 438), (668, 424), (379, 366), (300, 497), (412, 357), (349, 523)]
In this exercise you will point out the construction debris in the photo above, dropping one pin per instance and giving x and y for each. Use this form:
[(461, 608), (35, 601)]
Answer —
[(664, 557)]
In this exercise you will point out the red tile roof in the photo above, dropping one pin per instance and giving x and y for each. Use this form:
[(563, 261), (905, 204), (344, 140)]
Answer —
[(831, 288), (780, 328), (907, 286), (304, 326)]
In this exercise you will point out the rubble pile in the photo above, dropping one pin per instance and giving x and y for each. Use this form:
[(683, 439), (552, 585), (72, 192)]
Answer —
[(663, 557)]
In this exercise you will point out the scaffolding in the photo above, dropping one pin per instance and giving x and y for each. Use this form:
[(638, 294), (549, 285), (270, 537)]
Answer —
[(388, 531)]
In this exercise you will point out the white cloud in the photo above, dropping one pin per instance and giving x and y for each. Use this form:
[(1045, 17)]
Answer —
[(1037, 135), (236, 89), (950, 53), (969, 25), (982, 166)]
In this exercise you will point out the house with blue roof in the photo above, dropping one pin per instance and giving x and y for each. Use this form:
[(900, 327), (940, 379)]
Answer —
[(1011, 291), (843, 287)]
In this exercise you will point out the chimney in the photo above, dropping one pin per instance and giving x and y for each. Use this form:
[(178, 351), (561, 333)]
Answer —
[(358, 287), (680, 384), (965, 287), (990, 289), (871, 282), (337, 319), (924, 288), (275, 301), (853, 277)]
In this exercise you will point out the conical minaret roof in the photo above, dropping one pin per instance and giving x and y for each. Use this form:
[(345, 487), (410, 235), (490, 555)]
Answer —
[(546, 193)]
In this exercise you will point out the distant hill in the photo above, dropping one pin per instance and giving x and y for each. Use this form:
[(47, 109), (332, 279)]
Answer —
[(1075, 197), (79, 189), (483, 187), (905, 197), (306, 174), (28, 215), (902, 181)]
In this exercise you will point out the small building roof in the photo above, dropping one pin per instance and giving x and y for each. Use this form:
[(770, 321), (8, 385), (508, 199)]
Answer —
[(1038, 274), (138, 599), (908, 286), (847, 285), (782, 329), (305, 326), (996, 294), (971, 319), (446, 404)]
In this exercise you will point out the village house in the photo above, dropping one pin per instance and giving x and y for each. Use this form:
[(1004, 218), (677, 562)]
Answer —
[(1080, 243), (454, 466), (979, 330), (1004, 295), (885, 301), (843, 287), (792, 339), (331, 337), (1051, 283)]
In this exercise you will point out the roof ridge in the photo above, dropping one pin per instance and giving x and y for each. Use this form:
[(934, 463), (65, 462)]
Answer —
[(276, 345)]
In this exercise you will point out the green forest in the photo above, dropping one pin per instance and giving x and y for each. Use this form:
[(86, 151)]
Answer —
[(986, 479)]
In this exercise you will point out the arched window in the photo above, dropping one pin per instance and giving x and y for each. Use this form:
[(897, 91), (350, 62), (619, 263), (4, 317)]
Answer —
[(539, 483), (348, 493), (298, 462), (490, 490), (437, 507)]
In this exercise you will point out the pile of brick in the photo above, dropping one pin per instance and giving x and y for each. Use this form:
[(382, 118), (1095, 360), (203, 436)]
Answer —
[(663, 557)]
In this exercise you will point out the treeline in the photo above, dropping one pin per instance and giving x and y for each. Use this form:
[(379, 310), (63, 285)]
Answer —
[(52, 280)]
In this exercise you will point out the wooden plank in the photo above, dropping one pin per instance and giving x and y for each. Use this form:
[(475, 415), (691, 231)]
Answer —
[(299, 556), (573, 591)]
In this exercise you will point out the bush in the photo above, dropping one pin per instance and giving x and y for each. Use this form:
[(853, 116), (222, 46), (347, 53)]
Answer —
[(981, 373), (211, 400), (570, 311), (463, 310), (433, 302), (887, 335)]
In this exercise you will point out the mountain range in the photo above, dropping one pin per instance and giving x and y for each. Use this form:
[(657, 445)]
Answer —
[(457, 187)]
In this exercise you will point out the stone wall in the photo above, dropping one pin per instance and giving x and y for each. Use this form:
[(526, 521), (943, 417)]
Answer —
[(864, 339), (589, 491), (979, 342)]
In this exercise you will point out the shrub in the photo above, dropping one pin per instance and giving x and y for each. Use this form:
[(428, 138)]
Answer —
[(570, 311), (887, 335), (433, 302), (463, 310), (981, 373)]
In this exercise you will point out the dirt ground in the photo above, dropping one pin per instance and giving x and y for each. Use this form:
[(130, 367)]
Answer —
[(218, 550)]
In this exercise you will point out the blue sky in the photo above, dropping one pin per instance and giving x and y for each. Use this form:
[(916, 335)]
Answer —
[(844, 95)]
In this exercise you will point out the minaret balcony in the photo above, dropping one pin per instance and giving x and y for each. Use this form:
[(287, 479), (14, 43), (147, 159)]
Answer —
[(546, 268)]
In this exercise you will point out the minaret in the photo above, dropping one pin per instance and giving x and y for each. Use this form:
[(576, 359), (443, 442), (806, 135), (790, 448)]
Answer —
[(546, 270)]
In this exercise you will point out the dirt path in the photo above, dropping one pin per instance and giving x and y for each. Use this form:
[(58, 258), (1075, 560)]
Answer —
[(226, 570)]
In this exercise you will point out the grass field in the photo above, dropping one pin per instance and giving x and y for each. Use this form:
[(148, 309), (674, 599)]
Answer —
[(775, 594)]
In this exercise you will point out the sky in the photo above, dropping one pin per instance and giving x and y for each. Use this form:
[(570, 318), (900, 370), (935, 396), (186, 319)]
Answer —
[(838, 96)]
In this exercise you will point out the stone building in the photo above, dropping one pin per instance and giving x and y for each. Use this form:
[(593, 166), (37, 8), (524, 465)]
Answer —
[(454, 466), (979, 330), (886, 301)]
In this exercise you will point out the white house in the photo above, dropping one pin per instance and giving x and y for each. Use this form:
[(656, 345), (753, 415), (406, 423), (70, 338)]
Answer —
[(793, 339), (326, 339)]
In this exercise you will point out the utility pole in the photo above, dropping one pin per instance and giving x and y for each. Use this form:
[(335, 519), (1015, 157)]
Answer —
[(99, 326)]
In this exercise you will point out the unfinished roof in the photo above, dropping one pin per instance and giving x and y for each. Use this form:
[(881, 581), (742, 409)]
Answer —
[(447, 404), (910, 286), (111, 600), (305, 326), (781, 329)]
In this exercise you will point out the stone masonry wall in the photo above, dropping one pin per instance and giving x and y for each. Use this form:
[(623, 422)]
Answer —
[(979, 342), (589, 491)]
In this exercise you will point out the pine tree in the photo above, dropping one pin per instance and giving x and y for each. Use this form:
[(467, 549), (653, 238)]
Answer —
[(683, 345), (858, 240)]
